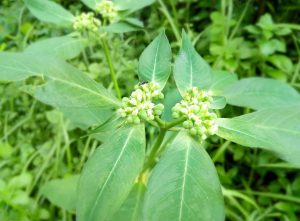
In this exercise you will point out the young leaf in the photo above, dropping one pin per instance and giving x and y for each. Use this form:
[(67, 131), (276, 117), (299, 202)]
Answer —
[(62, 192), (155, 61), (49, 11), (190, 69), (131, 210), (274, 129), (184, 186), (65, 47), (65, 85), (258, 93), (109, 174)]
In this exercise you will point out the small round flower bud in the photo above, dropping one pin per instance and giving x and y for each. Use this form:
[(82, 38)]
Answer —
[(129, 119), (187, 124), (175, 114), (193, 131), (136, 120)]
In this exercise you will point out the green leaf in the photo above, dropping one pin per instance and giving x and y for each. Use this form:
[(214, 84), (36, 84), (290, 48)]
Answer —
[(62, 192), (258, 93), (172, 97), (184, 186), (221, 80), (65, 47), (65, 85), (132, 5), (134, 21), (190, 69), (86, 117), (121, 27), (91, 3), (49, 11), (274, 129), (281, 62), (155, 61), (219, 102), (105, 130), (109, 174), (131, 210)]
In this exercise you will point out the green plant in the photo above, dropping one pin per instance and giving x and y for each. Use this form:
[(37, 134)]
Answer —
[(170, 177), (107, 16)]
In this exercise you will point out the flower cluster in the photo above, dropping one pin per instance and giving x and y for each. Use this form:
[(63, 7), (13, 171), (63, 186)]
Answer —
[(86, 21), (139, 106), (195, 106), (107, 9)]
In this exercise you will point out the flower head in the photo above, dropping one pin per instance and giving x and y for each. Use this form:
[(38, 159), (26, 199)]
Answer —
[(139, 106), (107, 9), (195, 106), (86, 21)]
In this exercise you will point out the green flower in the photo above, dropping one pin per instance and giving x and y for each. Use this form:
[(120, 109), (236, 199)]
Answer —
[(139, 106), (108, 10), (86, 21), (195, 106)]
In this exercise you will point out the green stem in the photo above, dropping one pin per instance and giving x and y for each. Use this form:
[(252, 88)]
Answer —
[(111, 67), (152, 156), (239, 21), (170, 20), (221, 150), (275, 196), (174, 123)]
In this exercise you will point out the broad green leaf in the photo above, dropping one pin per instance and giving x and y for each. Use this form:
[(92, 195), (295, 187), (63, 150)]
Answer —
[(49, 11), (171, 98), (105, 130), (65, 85), (258, 93), (86, 117), (184, 185), (134, 21), (155, 61), (62, 192), (131, 210), (132, 5), (219, 102), (274, 129), (221, 80), (65, 47), (91, 3), (81, 117), (121, 27), (190, 69), (109, 174)]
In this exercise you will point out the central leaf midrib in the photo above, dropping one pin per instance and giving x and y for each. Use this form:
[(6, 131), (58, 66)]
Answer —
[(155, 60), (110, 173), (183, 183)]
